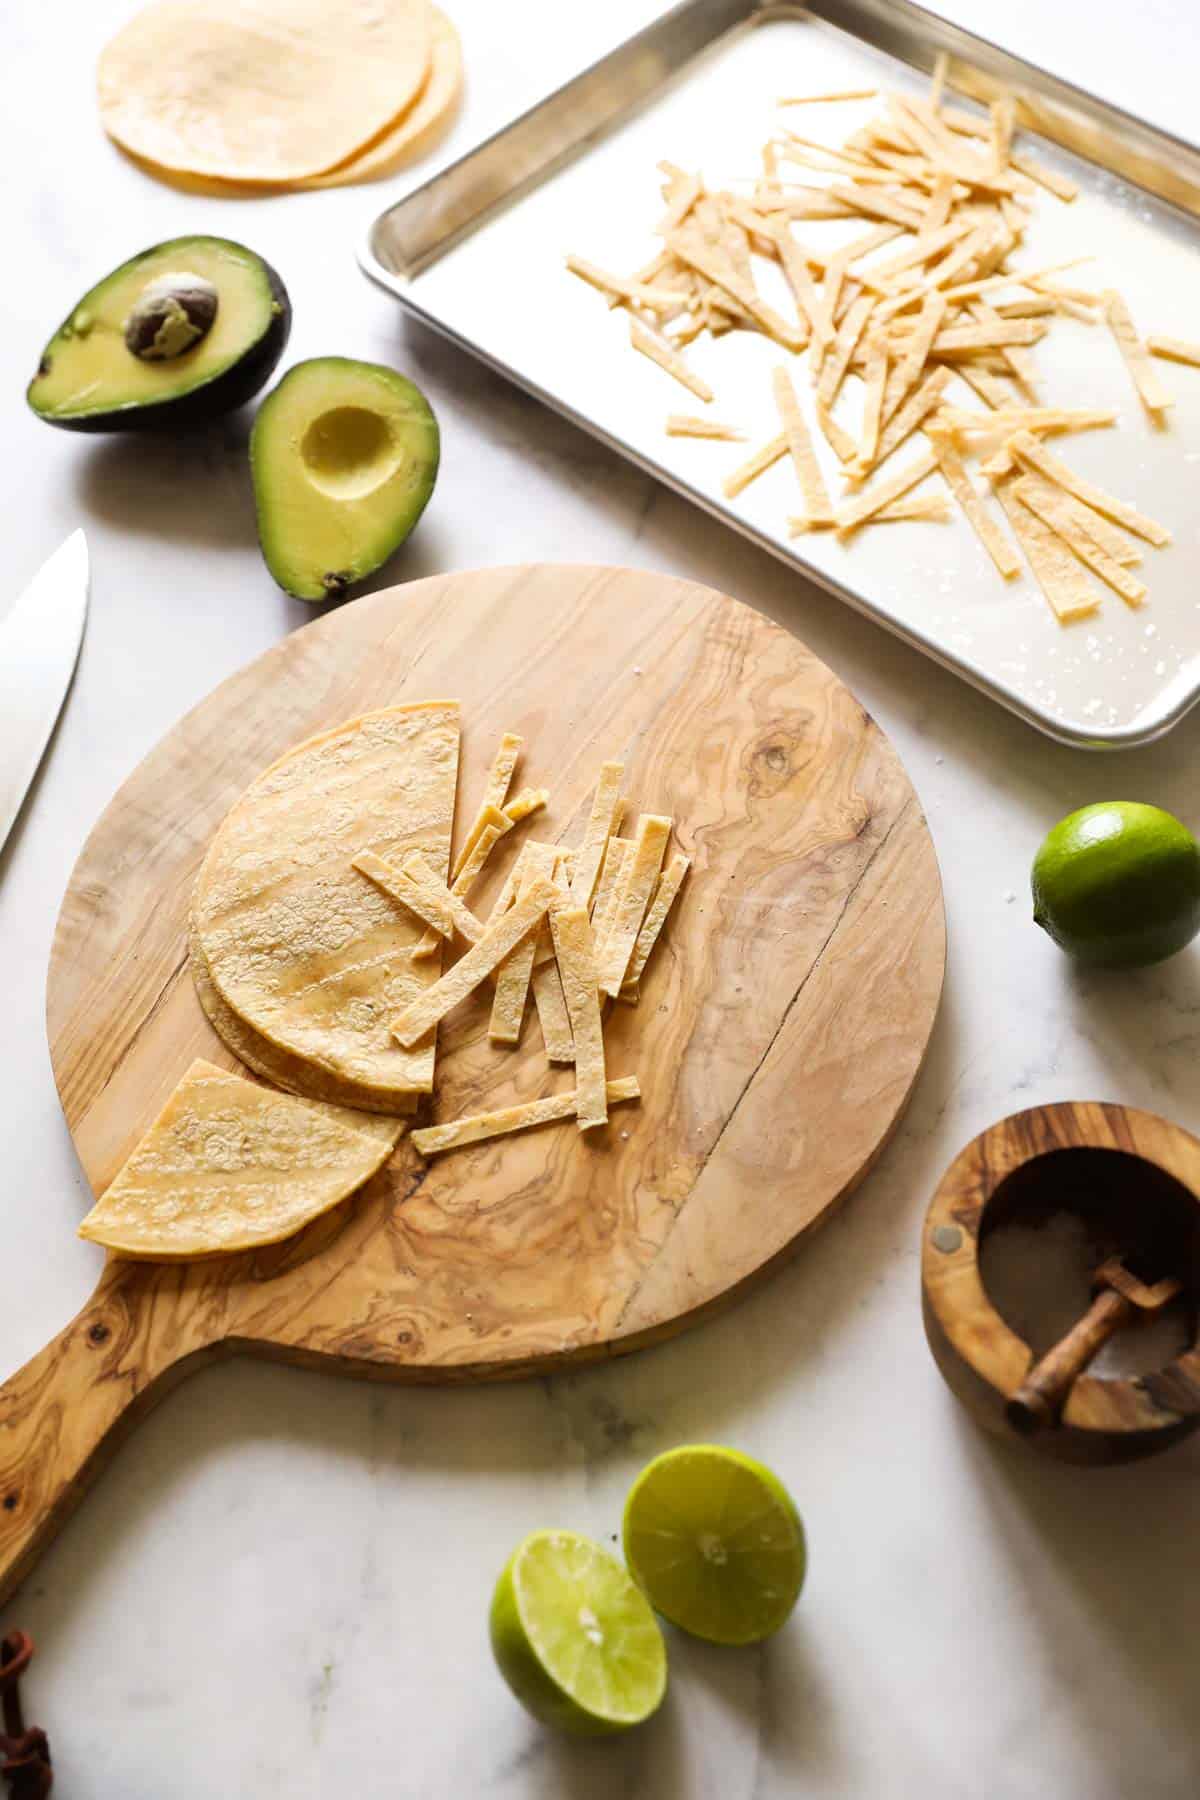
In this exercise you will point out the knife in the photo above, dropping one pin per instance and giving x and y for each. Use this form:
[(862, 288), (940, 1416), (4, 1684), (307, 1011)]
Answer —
[(39, 647)]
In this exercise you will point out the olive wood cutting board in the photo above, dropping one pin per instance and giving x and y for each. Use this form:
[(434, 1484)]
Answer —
[(783, 1018)]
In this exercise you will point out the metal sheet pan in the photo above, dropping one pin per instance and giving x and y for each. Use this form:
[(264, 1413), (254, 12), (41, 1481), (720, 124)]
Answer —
[(478, 252)]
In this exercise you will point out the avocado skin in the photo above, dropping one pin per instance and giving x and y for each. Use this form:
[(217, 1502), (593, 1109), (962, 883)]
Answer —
[(223, 395)]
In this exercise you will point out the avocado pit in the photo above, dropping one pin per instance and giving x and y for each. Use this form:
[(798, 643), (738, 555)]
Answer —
[(170, 316)]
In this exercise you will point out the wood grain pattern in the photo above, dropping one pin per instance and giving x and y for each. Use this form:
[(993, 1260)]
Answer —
[(782, 1021), (982, 1359)]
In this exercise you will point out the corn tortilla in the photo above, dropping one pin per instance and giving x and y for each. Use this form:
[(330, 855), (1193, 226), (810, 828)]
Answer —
[(261, 90)]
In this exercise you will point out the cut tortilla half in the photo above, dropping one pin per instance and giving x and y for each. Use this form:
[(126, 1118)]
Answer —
[(229, 1165), (262, 90), (291, 1073), (304, 950)]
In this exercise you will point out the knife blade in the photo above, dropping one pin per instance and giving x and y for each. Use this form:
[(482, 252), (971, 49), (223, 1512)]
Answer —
[(39, 647)]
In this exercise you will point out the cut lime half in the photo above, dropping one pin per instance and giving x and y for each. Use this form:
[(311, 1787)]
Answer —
[(574, 1638), (715, 1542)]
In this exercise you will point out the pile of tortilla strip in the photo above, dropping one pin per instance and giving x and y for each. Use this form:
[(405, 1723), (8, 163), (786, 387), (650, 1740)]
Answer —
[(926, 293), (318, 925), (234, 95)]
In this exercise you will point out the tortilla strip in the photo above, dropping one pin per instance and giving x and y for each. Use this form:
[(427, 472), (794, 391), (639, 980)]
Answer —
[(633, 897), (574, 947), (937, 85), (1067, 589), (560, 870), (667, 358), (845, 344), (768, 454), (804, 461), (668, 886), (913, 354), (883, 275), (414, 885), (661, 267), (876, 381), (529, 800), (933, 508), (917, 407), (495, 825), (230, 1165), (809, 301), (811, 203), (842, 444), (418, 1019), (1175, 350), (990, 389), (552, 1014), (957, 338), (498, 783), (967, 125), (1153, 394), (1002, 121), (1043, 501), (938, 210), (1035, 456), (656, 299), (1102, 531), (434, 1140), (1016, 359), (874, 205), (599, 829), (983, 284), (980, 520), (514, 974), (616, 859), (505, 897), (962, 421), (689, 249), (685, 190), (681, 425), (849, 518), (1035, 308), (304, 950), (821, 99)]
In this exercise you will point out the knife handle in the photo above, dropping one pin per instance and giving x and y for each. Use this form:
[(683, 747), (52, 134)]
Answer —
[(67, 1410)]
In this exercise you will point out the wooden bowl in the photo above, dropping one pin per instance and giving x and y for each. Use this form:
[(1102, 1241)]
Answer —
[(1138, 1177)]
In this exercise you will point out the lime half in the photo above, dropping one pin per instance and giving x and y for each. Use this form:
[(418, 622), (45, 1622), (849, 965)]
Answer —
[(574, 1638), (716, 1543)]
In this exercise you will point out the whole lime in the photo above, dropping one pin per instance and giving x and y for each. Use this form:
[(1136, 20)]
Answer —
[(1117, 884)]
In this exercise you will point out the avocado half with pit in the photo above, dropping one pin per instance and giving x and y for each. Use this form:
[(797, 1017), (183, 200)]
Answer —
[(344, 457), (177, 336)]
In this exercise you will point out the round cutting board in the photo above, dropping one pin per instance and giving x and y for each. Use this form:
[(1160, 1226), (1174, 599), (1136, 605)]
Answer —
[(782, 1022)]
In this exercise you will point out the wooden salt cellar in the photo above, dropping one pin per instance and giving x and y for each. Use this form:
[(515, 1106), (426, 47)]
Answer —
[(1150, 1188)]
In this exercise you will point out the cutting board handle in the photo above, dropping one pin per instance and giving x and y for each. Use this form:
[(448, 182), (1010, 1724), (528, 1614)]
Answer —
[(65, 1412)]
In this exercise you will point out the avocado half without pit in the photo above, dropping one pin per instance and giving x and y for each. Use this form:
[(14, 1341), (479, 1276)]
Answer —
[(344, 457), (175, 337)]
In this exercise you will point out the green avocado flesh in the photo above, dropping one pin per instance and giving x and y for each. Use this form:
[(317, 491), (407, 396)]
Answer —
[(344, 456), (89, 380)]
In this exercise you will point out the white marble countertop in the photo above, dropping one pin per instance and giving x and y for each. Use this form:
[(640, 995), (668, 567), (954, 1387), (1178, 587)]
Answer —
[(280, 1586)]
